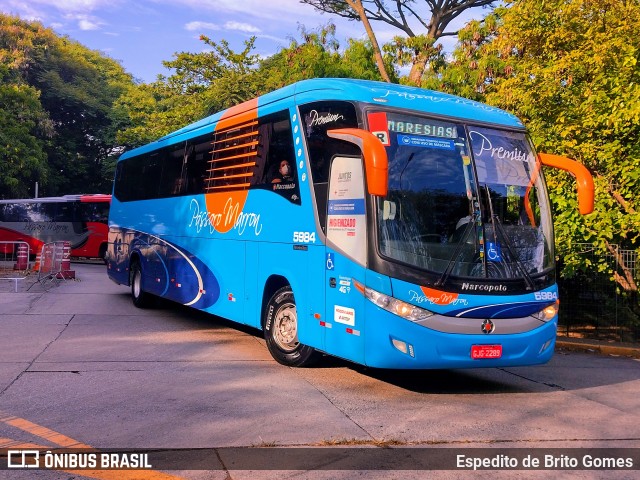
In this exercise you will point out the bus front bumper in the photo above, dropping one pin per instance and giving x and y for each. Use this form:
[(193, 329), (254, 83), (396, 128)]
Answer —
[(393, 342)]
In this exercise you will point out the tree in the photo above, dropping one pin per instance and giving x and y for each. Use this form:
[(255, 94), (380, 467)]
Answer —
[(202, 83), (22, 123), (423, 22), (359, 9), (472, 69), (66, 93), (78, 88), (317, 55), (569, 69)]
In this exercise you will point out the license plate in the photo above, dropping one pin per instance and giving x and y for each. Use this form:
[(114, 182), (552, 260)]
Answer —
[(479, 352)]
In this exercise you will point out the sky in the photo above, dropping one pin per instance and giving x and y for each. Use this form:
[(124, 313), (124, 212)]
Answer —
[(140, 34)]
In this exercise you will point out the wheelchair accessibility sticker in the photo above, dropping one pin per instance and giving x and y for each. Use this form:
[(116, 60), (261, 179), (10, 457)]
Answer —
[(330, 264), (494, 252)]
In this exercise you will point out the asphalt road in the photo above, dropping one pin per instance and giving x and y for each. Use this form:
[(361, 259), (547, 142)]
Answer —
[(80, 366)]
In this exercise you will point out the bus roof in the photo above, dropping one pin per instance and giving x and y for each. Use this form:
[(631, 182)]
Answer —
[(366, 91), (83, 198)]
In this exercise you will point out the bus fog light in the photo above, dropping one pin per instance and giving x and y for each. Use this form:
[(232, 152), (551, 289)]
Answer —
[(400, 345), (404, 347)]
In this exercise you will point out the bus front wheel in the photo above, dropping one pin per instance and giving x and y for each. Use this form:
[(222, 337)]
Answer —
[(281, 331), (141, 299)]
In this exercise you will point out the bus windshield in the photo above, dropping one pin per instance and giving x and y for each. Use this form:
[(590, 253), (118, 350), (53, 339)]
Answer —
[(463, 201)]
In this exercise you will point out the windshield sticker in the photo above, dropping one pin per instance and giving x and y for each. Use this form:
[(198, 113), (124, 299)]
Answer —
[(425, 142), (494, 252), (421, 128), (346, 207), (501, 158), (323, 118), (483, 145), (378, 126)]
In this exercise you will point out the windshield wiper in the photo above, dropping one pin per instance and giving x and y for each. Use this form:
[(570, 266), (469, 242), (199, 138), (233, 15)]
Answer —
[(453, 261), (497, 227)]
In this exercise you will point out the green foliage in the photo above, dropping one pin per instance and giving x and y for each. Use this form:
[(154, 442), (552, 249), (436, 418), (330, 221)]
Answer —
[(317, 56), (422, 23), (407, 51), (22, 121), (472, 70), (202, 83), (66, 139), (569, 69), (211, 81)]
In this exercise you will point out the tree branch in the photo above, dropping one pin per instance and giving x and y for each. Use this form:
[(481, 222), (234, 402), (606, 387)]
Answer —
[(627, 281), (356, 5), (618, 197)]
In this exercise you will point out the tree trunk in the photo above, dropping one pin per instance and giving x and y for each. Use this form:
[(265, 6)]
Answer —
[(626, 280), (417, 70), (359, 9)]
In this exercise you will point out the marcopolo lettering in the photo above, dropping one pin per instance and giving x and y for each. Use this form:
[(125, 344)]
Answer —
[(481, 287)]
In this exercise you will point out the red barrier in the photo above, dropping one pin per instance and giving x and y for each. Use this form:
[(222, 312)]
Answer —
[(22, 257), (65, 270)]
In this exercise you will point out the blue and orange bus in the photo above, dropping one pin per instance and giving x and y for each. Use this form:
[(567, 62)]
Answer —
[(391, 226), (79, 219)]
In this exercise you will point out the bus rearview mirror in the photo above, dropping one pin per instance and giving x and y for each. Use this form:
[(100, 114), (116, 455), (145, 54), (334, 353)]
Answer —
[(375, 157), (583, 178)]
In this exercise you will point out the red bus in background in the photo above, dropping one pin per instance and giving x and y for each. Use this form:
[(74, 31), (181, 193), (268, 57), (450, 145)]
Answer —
[(79, 219)]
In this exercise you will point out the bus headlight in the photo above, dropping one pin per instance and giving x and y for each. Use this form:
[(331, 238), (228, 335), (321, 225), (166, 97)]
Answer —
[(548, 312), (393, 305)]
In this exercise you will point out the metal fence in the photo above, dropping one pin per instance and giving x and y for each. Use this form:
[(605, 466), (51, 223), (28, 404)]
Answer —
[(603, 305), (51, 257), (14, 261)]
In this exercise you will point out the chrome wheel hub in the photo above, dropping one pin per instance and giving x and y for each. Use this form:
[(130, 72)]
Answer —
[(285, 328)]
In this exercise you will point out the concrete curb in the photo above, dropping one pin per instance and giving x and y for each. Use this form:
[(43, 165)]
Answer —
[(596, 346)]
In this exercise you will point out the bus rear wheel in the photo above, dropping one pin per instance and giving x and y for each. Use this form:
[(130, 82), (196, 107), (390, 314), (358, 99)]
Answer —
[(102, 252), (141, 299), (281, 331)]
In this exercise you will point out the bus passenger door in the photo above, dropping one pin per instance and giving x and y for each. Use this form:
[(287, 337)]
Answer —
[(345, 259)]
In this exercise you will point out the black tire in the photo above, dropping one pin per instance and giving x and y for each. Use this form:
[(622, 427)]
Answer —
[(141, 299), (280, 331), (102, 253)]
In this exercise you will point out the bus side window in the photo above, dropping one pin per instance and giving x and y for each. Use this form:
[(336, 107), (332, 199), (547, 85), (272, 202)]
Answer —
[(172, 182), (274, 151), (197, 161), (138, 178), (317, 118)]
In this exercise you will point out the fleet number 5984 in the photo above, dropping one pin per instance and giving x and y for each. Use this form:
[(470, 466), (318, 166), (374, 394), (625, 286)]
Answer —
[(304, 237)]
